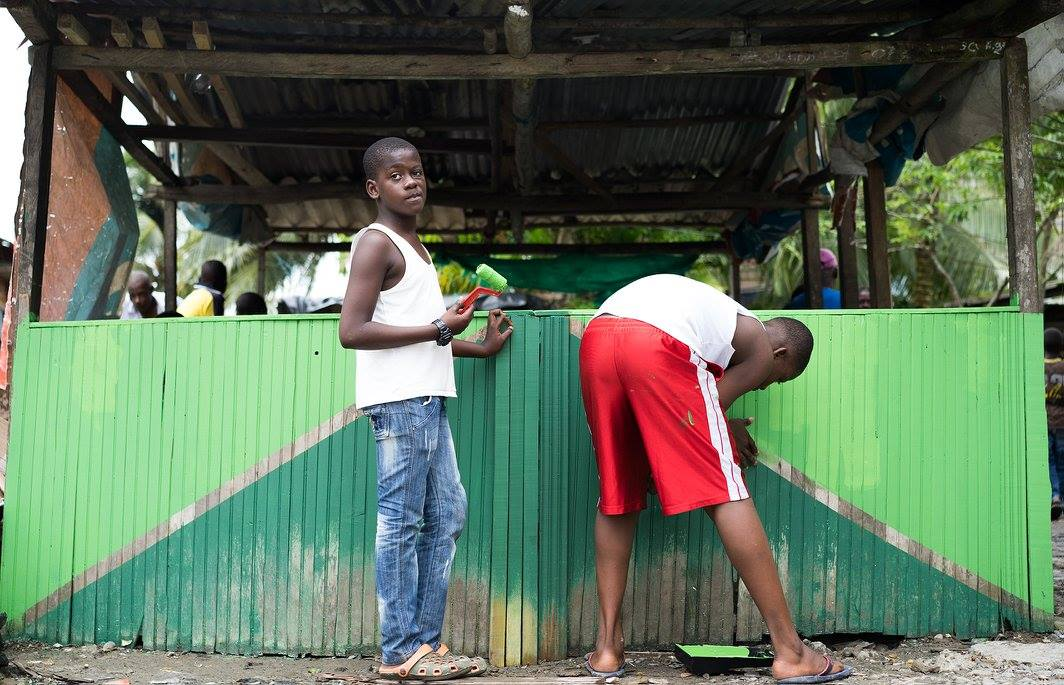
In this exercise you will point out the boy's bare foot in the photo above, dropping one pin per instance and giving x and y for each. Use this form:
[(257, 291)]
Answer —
[(807, 663), (606, 660)]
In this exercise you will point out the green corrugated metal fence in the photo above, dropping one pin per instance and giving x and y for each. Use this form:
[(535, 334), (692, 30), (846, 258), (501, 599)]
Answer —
[(206, 485)]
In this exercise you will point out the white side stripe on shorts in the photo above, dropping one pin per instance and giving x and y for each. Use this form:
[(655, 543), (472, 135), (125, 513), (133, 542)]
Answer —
[(718, 430)]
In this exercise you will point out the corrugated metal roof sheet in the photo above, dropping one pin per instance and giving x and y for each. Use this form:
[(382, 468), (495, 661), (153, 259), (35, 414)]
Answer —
[(616, 154)]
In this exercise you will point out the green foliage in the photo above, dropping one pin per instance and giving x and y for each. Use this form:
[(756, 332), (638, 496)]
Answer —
[(946, 226)]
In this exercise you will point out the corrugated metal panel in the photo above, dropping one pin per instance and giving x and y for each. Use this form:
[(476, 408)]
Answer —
[(658, 152), (205, 485)]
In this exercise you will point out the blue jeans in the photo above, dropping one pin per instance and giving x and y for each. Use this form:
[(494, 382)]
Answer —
[(421, 509), (1056, 459)]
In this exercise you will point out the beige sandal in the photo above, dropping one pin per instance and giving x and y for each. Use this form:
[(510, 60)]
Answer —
[(425, 665), (478, 665)]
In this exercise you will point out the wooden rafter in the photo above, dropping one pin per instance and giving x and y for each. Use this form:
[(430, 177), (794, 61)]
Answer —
[(194, 113), (153, 36), (566, 162), (103, 110), (76, 33), (202, 35), (123, 37)]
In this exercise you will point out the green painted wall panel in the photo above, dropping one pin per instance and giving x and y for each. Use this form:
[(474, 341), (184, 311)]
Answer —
[(204, 485)]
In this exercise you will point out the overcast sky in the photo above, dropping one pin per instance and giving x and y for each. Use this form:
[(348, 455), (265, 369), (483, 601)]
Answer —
[(14, 74)]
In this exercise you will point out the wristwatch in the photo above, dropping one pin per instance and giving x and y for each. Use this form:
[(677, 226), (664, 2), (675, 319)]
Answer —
[(443, 333)]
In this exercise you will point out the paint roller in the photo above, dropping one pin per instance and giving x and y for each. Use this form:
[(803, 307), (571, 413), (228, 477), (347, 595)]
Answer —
[(717, 659), (493, 283)]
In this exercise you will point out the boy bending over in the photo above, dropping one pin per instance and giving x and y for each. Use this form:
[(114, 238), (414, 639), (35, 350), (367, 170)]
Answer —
[(660, 364)]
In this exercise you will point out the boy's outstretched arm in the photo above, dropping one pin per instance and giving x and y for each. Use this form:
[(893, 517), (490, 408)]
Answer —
[(752, 364), (375, 257), (494, 339)]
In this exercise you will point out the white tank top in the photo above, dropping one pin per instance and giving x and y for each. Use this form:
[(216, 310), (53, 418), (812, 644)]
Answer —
[(696, 314), (418, 370)]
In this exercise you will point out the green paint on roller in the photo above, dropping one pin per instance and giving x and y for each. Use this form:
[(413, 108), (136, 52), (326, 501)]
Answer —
[(712, 651), (491, 278)]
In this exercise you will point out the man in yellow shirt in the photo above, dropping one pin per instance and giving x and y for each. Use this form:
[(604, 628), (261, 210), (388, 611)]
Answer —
[(208, 295)]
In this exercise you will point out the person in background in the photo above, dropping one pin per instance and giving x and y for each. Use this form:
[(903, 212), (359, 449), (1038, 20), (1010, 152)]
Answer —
[(142, 300), (1054, 350), (208, 296), (864, 299), (829, 272), (250, 304)]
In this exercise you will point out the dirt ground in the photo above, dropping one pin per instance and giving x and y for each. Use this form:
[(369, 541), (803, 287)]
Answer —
[(1013, 658)]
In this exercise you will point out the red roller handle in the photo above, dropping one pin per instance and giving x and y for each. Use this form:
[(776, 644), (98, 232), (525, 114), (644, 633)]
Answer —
[(477, 292)]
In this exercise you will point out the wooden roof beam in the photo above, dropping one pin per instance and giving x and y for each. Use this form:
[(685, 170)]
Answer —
[(295, 137), (477, 249), (532, 204), (671, 122), (201, 33), (761, 58), (36, 18), (592, 23), (532, 224)]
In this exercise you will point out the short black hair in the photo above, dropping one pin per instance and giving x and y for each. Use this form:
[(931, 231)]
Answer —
[(213, 273), (1054, 341), (250, 303), (798, 339), (377, 154)]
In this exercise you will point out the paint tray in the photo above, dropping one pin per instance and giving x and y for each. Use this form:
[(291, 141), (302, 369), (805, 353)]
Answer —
[(717, 659)]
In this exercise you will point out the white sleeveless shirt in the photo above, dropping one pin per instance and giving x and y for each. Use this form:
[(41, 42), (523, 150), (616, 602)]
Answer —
[(417, 370), (696, 314)]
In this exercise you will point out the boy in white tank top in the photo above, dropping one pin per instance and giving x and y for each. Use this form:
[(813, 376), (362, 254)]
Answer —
[(394, 317)]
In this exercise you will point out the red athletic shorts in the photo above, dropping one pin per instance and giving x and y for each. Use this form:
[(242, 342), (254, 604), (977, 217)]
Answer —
[(653, 410)]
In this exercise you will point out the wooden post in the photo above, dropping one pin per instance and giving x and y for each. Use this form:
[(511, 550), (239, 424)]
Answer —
[(811, 217), (736, 278), (170, 254), (845, 226), (517, 26), (814, 296), (876, 234), (260, 275), (1019, 178), (36, 181)]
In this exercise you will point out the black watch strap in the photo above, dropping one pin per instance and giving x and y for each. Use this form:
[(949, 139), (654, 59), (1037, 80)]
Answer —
[(444, 336)]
